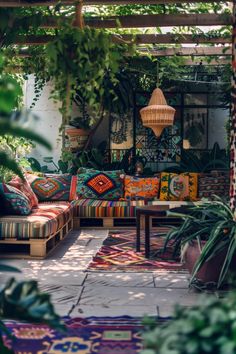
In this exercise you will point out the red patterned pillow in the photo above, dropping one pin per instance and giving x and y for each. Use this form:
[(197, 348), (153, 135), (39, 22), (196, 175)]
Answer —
[(54, 187), (25, 188)]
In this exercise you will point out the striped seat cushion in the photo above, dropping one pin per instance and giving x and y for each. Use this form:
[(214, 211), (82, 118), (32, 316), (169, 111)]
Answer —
[(90, 208), (44, 221)]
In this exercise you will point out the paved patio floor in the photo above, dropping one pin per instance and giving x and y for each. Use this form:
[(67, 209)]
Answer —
[(77, 292)]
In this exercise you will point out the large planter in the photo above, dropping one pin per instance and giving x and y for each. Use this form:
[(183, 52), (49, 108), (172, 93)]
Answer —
[(210, 271), (77, 138)]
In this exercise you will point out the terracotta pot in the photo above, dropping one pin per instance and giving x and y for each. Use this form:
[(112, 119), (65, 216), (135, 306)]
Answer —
[(210, 271), (77, 138)]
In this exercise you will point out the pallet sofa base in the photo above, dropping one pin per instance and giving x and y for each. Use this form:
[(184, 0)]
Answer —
[(34, 248), (113, 223)]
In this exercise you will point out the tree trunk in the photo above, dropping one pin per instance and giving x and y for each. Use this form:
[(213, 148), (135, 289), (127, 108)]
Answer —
[(66, 110)]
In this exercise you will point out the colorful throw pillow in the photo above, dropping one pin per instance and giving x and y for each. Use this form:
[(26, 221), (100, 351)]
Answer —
[(15, 202), (24, 187), (215, 183), (54, 187), (141, 188), (95, 184), (178, 186)]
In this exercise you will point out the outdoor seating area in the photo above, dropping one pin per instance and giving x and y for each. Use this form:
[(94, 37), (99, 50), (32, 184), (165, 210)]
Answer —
[(117, 176)]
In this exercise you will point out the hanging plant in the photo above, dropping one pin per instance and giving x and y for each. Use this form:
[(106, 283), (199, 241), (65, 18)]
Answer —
[(78, 61)]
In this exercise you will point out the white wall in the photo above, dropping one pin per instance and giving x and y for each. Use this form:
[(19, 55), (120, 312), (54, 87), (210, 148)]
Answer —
[(48, 123)]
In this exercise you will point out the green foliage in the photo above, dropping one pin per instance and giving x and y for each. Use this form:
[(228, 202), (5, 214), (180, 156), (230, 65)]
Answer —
[(133, 9), (206, 328), (24, 300), (15, 21), (20, 301), (16, 149), (213, 222), (206, 161), (10, 126), (10, 89), (93, 158), (78, 61)]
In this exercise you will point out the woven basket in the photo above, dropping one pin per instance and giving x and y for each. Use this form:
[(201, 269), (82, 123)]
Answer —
[(157, 115)]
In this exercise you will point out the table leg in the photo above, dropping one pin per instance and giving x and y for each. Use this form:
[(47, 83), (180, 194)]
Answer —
[(138, 232), (147, 236)]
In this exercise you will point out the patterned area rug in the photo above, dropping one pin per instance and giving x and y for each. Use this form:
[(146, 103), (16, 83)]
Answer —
[(84, 336), (118, 254)]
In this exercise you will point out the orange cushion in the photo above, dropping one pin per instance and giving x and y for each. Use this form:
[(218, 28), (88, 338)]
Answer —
[(141, 188)]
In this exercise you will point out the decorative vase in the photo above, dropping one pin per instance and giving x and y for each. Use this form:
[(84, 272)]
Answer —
[(77, 138)]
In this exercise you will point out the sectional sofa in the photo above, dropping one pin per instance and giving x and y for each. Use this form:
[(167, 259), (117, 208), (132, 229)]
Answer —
[(39, 212)]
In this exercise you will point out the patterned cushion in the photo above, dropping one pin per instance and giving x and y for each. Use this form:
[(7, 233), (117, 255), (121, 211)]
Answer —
[(178, 186), (44, 221), (90, 208), (25, 188), (141, 188), (213, 184), (93, 208), (100, 185), (15, 202), (54, 187)]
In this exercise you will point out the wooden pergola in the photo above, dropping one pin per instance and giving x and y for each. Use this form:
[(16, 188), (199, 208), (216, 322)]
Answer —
[(222, 47)]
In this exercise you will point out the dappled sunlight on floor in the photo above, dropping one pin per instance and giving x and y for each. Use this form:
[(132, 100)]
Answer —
[(75, 290)]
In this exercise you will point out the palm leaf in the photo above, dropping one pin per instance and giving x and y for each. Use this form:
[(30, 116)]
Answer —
[(7, 268), (228, 258)]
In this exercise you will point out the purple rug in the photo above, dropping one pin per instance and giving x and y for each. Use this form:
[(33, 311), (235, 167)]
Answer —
[(84, 336)]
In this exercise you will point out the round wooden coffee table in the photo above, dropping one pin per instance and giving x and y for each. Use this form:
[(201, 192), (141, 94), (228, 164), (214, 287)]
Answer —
[(147, 212)]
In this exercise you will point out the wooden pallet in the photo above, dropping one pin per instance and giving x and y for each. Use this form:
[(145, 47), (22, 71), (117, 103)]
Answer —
[(34, 248), (125, 223)]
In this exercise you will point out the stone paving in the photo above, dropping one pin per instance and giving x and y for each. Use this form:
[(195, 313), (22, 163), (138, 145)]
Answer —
[(77, 292)]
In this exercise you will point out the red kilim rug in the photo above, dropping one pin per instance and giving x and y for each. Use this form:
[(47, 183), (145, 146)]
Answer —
[(118, 254)]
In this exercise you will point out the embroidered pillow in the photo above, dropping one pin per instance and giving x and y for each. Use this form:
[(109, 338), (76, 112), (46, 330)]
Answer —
[(54, 187), (178, 186), (141, 188), (15, 202), (25, 188), (211, 184), (95, 184)]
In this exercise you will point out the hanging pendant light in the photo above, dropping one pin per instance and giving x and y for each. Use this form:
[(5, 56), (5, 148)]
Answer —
[(157, 115)]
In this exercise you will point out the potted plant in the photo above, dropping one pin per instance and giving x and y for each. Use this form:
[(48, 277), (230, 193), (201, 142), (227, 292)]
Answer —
[(78, 132), (207, 240), (206, 328)]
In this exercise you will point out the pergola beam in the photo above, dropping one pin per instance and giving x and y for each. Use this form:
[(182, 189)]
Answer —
[(144, 21), (201, 61), (183, 51), (20, 3), (192, 51), (138, 39)]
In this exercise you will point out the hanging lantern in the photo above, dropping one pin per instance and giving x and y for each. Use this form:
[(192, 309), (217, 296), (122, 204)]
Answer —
[(157, 115)]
